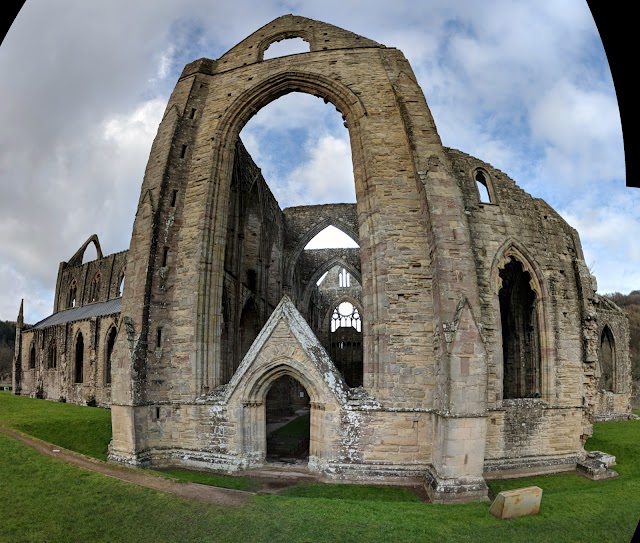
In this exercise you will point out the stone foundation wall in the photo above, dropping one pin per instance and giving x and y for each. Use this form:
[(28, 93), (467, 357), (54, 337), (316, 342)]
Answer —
[(530, 435)]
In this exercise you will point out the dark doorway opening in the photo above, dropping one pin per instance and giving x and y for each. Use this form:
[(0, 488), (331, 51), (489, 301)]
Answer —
[(288, 413), (520, 339)]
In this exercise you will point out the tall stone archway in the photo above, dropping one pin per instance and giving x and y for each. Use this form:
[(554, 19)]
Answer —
[(415, 247)]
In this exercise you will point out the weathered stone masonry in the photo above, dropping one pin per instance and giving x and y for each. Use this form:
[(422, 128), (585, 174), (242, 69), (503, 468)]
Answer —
[(483, 351)]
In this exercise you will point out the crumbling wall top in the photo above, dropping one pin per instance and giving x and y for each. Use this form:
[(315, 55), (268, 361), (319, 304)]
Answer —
[(320, 37)]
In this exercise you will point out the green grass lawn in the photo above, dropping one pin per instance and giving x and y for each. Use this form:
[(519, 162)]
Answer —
[(44, 499), (212, 479), (86, 430), (298, 427)]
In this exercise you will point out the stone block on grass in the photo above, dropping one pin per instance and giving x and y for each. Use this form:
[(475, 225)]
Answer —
[(517, 503)]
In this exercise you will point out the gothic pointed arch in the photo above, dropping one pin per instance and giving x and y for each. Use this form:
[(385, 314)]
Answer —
[(324, 268), (522, 299), (312, 233), (310, 366), (76, 259), (607, 360), (231, 123)]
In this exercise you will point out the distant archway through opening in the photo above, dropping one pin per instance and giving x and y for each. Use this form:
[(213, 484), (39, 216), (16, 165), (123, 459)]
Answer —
[(288, 421)]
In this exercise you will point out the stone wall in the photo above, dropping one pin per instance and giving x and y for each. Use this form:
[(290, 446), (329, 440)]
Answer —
[(59, 382), (98, 280), (221, 300), (613, 399)]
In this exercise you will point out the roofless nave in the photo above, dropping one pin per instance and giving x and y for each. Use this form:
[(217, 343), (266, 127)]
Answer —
[(477, 345)]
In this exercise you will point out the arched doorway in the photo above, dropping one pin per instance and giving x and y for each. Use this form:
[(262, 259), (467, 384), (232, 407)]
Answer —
[(520, 333), (288, 421)]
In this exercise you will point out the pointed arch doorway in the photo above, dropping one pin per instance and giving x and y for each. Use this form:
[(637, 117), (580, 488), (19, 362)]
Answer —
[(288, 421)]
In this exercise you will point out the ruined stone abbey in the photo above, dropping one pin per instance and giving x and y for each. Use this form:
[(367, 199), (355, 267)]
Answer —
[(462, 340)]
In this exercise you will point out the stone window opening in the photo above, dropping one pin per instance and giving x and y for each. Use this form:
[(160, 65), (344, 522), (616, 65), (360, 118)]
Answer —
[(285, 47), (32, 357), (347, 315), (79, 359), (94, 292), (111, 341), (120, 285), (520, 333), (165, 256), (174, 197), (73, 293), (483, 187), (606, 356), (344, 279), (53, 355), (346, 342), (159, 338)]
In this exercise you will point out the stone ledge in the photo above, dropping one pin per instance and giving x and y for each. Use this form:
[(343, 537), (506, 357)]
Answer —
[(595, 466), (454, 490)]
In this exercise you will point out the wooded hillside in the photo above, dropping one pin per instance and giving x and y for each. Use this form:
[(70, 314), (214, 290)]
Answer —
[(7, 345)]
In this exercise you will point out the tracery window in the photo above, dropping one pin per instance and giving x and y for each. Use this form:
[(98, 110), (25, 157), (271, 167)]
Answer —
[(346, 342), (346, 314)]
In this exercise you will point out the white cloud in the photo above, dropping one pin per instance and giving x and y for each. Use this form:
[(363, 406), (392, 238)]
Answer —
[(523, 85), (581, 132), (606, 221), (37, 301), (134, 132), (327, 177)]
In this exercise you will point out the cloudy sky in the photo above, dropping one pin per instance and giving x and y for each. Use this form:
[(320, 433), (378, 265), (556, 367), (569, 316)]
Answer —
[(524, 85)]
